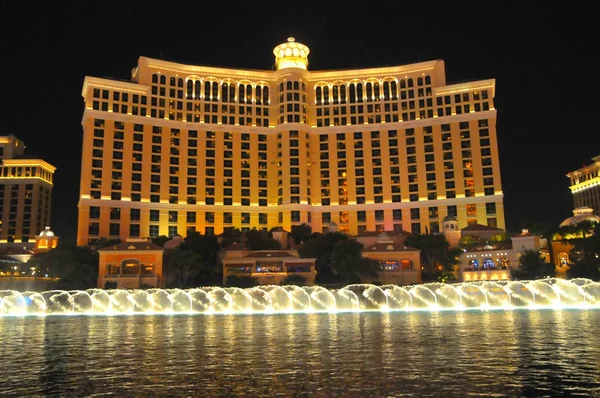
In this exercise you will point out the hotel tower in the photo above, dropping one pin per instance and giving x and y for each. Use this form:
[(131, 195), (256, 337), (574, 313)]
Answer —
[(585, 185), (25, 195), (186, 147)]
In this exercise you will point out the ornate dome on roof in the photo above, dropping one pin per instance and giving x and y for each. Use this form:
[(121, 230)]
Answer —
[(46, 232), (581, 214), (449, 218), (291, 54)]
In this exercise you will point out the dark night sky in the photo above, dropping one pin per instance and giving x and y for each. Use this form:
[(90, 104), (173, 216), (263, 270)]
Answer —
[(540, 53)]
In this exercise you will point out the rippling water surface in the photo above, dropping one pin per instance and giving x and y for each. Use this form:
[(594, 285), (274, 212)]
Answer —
[(472, 353)]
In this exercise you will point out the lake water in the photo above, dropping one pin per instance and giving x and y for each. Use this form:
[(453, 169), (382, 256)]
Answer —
[(449, 353)]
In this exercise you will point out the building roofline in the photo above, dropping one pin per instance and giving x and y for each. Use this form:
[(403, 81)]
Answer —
[(102, 82), (29, 162), (217, 71)]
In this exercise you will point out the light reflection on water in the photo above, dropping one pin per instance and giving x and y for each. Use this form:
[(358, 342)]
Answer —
[(513, 353)]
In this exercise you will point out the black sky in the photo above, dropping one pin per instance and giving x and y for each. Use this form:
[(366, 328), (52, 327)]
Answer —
[(541, 53)]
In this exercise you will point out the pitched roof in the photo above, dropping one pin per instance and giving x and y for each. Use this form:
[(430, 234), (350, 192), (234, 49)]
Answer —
[(14, 251), (389, 247), (132, 246)]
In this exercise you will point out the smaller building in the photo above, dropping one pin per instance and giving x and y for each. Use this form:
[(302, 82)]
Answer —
[(133, 264), (269, 267), (45, 241), (495, 260), (561, 248), (398, 264), (17, 274)]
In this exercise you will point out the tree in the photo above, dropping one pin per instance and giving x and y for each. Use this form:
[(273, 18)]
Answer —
[(533, 266), (231, 236), (348, 263), (206, 247), (585, 268), (75, 266), (434, 250), (321, 247), (301, 233), (160, 240), (182, 266), (105, 242), (294, 279), (266, 244), (241, 281)]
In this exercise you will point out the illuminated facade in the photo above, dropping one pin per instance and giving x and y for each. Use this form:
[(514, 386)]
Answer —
[(133, 264), (268, 267), (184, 147), (25, 194), (585, 185)]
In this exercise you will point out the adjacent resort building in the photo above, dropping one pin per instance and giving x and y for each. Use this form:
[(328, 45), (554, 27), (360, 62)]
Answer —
[(585, 185), (186, 147), (25, 195)]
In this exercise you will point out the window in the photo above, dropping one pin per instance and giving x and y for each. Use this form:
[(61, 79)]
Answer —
[(415, 214), (295, 216)]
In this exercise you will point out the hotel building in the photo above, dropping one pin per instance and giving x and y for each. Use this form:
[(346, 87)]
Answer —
[(585, 186), (185, 147), (25, 195)]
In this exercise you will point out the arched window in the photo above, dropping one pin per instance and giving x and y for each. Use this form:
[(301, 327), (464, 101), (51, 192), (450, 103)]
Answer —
[(296, 86), (427, 79), (130, 267), (231, 92), (248, 93), (154, 78), (172, 81), (410, 82), (352, 92), (326, 95), (390, 265), (225, 92), (403, 83), (386, 91), (369, 92), (488, 263), (343, 94), (359, 92), (206, 90), (563, 261), (335, 93), (180, 82), (190, 89), (394, 87), (420, 81), (163, 79), (258, 95), (474, 265), (406, 264), (303, 86), (197, 89), (242, 94), (319, 94), (280, 86), (376, 91), (289, 85), (215, 91), (266, 95)]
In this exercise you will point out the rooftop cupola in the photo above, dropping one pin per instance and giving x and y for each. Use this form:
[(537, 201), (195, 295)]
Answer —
[(291, 55)]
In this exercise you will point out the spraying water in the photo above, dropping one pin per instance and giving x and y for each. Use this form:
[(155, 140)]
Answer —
[(505, 295)]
